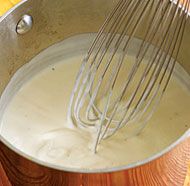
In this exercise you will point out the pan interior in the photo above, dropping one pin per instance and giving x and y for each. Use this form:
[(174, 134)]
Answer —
[(34, 110)]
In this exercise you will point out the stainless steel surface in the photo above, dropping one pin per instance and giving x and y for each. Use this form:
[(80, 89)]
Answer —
[(93, 103), (24, 25), (53, 22)]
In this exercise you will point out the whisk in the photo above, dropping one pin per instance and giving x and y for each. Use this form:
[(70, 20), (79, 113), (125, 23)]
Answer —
[(110, 92)]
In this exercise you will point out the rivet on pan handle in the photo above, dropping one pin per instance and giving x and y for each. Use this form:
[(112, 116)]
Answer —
[(24, 25)]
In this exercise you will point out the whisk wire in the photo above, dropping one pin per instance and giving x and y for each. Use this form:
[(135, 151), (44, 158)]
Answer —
[(94, 102)]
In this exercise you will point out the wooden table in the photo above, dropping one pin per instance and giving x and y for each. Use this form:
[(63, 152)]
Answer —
[(169, 170)]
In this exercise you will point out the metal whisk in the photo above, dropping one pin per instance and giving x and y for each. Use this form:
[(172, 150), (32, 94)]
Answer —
[(111, 91)]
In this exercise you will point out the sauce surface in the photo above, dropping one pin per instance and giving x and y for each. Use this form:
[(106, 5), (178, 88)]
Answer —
[(34, 114)]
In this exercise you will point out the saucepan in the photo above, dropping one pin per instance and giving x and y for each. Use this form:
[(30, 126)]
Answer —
[(34, 25)]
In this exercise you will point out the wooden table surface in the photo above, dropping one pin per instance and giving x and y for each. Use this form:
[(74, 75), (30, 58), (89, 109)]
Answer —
[(172, 169), (168, 170)]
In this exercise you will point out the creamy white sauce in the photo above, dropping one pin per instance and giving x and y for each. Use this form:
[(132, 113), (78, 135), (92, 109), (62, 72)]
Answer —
[(34, 114)]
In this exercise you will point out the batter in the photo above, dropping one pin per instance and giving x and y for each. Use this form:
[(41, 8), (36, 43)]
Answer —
[(34, 114)]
